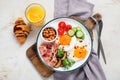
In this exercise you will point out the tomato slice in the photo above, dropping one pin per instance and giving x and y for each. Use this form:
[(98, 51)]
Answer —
[(60, 31), (68, 27), (62, 25)]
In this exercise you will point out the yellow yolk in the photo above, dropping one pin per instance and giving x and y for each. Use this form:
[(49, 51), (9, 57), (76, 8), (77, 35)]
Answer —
[(80, 52), (35, 13), (65, 39)]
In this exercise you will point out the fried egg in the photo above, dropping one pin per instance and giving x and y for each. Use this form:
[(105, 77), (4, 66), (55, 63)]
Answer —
[(77, 53), (72, 44), (70, 55)]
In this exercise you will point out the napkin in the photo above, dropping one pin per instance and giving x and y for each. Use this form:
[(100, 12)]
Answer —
[(65, 8), (92, 70)]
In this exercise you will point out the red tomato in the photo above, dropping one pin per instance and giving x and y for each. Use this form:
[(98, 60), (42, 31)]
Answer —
[(60, 31), (68, 27), (62, 25)]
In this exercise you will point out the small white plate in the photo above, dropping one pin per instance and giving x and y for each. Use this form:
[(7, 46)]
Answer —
[(87, 40)]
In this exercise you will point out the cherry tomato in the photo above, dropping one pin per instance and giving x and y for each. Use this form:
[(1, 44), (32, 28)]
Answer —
[(62, 25), (60, 31), (68, 27)]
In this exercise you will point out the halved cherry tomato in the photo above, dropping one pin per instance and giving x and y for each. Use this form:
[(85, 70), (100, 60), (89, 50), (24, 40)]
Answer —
[(60, 31), (68, 27), (62, 25)]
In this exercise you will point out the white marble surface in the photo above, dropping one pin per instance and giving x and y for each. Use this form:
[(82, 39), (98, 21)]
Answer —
[(14, 64)]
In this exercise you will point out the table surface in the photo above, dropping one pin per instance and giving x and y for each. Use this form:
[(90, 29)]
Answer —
[(14, 65)]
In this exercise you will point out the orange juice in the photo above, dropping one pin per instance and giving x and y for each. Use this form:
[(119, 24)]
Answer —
[(35, 14)]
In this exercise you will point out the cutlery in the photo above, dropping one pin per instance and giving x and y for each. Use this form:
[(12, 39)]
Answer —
[(99, 24)]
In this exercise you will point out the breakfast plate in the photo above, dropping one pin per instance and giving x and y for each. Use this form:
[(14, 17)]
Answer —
[(64, 44)]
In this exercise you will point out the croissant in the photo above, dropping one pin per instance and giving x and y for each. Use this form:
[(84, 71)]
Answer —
[(21, 30)]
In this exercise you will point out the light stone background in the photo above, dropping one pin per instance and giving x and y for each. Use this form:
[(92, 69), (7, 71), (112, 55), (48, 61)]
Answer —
[(14, 64)]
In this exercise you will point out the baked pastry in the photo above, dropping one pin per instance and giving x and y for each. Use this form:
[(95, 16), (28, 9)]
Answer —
[(21, 30)]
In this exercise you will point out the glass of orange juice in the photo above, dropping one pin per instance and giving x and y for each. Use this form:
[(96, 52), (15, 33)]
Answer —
[(35, 14)]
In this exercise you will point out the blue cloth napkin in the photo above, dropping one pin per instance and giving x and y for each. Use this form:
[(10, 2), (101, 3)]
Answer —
[(92, 70)]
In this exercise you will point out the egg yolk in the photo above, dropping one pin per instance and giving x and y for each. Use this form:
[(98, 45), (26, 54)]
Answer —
[(65, 39), (80, 52)]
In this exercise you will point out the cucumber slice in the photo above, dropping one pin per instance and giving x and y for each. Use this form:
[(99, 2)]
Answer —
[(71, 32), (74, 29), (80, 34), (83, 37), (78, 28)]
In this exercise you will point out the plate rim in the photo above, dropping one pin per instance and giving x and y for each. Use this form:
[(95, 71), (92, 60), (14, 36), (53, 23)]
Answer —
[(52, 67)]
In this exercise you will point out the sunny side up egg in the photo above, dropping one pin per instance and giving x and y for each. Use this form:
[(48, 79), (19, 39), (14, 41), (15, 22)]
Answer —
[(70, 55), (77, 53), (72, 44)]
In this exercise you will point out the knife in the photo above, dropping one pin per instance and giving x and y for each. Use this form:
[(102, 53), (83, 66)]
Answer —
[(100, 46), (99, 30)]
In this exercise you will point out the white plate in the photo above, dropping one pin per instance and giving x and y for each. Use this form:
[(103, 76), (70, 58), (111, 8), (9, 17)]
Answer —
[(74, 23)]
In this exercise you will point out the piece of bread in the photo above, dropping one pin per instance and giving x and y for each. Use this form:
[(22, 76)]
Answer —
[(21, 30)]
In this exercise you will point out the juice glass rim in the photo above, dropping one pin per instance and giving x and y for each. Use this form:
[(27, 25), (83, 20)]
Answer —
[(32, 4)]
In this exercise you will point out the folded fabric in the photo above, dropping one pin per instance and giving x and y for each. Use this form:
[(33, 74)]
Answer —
[(65, 8), (92, 70)]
